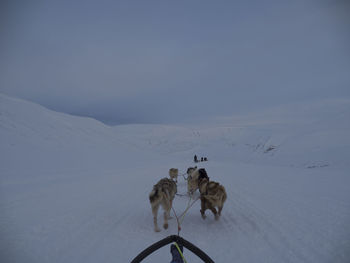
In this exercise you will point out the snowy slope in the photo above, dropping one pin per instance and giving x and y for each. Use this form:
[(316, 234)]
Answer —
[(75, 190), (304, 135), (38, 138)]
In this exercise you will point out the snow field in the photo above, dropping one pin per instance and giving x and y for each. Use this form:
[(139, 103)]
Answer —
[(75, 190)]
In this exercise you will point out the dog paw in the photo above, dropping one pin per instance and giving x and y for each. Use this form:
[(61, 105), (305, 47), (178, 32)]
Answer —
[(157, 230), (204, 216), (217, 217), (165, 226)]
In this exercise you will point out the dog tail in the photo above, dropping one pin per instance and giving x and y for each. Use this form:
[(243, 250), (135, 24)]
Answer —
[(153, 196), (157, 195), (219, 195), (224, 196)]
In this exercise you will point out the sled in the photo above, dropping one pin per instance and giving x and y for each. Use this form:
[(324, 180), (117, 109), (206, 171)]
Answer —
[(174, 238)]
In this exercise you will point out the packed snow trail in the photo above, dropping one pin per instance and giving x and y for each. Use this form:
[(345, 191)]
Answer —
[(271, 215)]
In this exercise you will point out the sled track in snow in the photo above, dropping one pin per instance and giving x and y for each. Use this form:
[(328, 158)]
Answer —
[(241, 216)]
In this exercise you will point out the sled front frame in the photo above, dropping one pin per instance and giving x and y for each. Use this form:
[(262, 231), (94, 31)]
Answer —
[(179, 240)]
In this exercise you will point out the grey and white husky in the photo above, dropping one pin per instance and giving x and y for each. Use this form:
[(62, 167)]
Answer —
[(163, 194)]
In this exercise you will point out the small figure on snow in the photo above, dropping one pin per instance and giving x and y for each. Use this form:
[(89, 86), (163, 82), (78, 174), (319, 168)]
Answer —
[(195, 159)]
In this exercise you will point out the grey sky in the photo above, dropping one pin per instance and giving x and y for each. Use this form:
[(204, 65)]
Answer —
[(173, 61)]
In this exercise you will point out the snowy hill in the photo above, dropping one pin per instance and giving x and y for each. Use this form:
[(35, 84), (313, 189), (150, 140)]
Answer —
[(75, 190), (305, 135), (39, 138)]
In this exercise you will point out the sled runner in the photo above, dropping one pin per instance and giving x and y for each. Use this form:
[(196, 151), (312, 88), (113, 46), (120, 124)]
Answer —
[(178, 240)]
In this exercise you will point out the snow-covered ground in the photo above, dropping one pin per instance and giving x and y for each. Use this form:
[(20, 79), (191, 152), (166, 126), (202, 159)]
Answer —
[(75, 190)]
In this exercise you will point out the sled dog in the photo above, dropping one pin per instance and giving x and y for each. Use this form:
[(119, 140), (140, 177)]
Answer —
[(173, 173), (190, 170), (192, 179), (163, 194), (212, 195)]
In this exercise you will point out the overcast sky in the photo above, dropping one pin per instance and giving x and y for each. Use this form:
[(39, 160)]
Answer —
[(172, 61)]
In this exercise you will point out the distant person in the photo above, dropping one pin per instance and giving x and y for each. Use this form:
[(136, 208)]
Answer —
[(205, 159), (202, 159), (195, 159)]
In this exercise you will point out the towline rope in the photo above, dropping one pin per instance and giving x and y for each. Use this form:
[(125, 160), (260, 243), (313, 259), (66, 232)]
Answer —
[(183, 175), (180, 220), (182, 216)]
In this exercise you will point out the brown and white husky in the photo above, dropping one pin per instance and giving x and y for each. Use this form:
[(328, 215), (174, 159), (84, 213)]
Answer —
[(212, 195)]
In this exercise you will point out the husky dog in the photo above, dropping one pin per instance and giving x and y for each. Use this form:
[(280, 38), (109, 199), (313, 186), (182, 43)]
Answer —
[(192, 179), (212, 195), (163, 194), (173, 173), (190, 170)]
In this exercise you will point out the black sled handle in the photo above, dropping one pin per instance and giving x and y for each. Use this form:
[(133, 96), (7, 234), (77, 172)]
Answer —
[(161, 243)]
